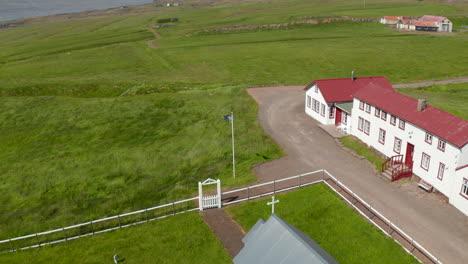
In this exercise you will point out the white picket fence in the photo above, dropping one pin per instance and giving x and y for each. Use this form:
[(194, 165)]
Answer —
[(230, 197)]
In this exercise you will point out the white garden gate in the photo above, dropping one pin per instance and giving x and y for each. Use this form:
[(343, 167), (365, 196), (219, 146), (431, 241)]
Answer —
[(209, 201)]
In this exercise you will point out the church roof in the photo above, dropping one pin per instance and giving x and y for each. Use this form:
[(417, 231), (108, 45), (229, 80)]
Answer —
[(276, 241)]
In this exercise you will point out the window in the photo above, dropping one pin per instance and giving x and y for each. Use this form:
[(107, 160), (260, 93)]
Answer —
[(315, 105), (425, 160), (441, 145), (397, 145), (368, 108), (361, 124), (308, 101), (361, 105), (322, 110), (366, 127), (401, 125), (344, 119), (382, 136), (464, 189), (428, 138), (393, 120), (384, 116), (316, 88), (440, 174), (377, 112), (332, 112)]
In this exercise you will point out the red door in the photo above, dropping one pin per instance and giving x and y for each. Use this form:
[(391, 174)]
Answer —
[(338, 116), (409, 155)]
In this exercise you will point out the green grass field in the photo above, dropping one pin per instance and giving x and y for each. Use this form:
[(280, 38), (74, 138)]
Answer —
[(183, 238), (452, 98), (73, 150), (321, 214), (68, 160)]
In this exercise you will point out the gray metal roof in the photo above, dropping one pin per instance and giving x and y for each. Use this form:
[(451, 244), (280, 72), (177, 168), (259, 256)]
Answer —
[(345, 106), (276, 241)]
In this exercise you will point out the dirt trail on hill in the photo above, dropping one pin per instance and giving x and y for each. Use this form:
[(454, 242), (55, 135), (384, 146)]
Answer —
[(429, 83), (156, 35)]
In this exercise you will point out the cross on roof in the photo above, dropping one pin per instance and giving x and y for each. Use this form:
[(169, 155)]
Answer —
[(272, 203)]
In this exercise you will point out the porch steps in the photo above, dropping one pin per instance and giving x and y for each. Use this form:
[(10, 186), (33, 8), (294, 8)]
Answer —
[(387, 174)]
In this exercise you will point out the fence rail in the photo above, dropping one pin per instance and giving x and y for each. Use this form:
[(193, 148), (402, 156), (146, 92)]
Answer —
[(229, 197), (97, 226)]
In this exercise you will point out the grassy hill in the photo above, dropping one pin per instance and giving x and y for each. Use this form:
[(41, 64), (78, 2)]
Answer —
[(73, 150)]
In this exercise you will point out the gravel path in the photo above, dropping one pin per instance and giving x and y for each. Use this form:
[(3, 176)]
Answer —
[(228, 231), (436, 225)]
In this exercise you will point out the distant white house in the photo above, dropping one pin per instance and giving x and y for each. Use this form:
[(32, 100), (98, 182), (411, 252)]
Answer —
[(416, 138), (390, 20), (425, 23)]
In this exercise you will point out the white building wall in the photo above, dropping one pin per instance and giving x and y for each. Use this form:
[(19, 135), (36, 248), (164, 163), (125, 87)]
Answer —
[(346, 128), (317, 95), (458, 199), (413, 135)]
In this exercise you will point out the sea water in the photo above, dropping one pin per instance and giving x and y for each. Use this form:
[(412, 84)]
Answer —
[(15, 9)]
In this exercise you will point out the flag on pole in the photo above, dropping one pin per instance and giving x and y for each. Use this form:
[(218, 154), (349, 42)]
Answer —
[(228, 117)]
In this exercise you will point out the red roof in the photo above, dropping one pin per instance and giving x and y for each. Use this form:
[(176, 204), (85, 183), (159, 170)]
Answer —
[(343, 89), (432, 18), (451, 128), (392, 18), (420, 23)]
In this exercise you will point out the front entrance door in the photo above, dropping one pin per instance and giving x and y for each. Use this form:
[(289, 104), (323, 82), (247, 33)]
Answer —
[(338, 116), (409, 155)]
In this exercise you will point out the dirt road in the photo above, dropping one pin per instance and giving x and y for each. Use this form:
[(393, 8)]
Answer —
[(428, 83), (436, 225)]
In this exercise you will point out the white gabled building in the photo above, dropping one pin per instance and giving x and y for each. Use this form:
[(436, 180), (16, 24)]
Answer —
[(416, 138)]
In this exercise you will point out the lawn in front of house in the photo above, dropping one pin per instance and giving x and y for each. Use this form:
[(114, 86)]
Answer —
[(325, 217), (362, 149)]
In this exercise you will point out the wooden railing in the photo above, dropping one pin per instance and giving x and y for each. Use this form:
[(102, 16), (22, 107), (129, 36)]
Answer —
[(398, 159), (400, 170)]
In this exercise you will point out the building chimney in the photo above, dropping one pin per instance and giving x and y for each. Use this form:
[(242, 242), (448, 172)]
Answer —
[(352, 76), (421, 104)]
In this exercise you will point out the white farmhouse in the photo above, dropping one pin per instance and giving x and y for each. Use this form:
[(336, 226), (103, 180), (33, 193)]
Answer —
[(442, 23), (417, 139), (390, 20)]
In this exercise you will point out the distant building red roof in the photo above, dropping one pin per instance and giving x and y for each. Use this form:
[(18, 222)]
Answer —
[(420, 23), (392, 18), (432, 18), (451, 128), (343, 89), (404, 20)]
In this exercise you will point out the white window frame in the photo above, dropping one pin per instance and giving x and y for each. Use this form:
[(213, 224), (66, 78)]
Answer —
[(440, 172), (309, 100), (393, 120), (425, 161), (382, 134), (344, 119), (397, 145), (441, 145), (384, 116), (366, 127), (316, 88), (377, 112), (464, 188), (428, 138), (368, 108), (332, 112), (361, 105), (361, 124), (401, 125), (322, 110)]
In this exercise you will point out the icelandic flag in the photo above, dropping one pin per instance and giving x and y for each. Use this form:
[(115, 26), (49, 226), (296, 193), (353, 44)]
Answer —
[(228, 117)]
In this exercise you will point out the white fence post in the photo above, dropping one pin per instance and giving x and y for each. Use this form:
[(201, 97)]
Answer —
[(219, 192), (200, 196)]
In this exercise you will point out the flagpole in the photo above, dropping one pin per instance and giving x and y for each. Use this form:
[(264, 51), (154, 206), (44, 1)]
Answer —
[(233, 153)]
